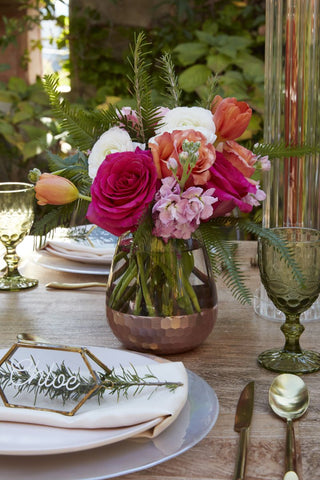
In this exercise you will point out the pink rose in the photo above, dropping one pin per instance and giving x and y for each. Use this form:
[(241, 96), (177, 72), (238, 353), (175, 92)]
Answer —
[(231, 117), (123, 188), (231, 187)]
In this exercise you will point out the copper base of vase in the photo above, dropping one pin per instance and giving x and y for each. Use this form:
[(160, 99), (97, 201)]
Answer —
[(162, 335)]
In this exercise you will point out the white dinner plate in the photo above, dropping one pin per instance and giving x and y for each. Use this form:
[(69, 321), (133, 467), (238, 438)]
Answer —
[(31, 439), (192, 425), (41, 257), (79, 242)]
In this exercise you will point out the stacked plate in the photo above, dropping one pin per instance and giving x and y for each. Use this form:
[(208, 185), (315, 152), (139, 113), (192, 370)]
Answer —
[(34, 452), (82, 249)]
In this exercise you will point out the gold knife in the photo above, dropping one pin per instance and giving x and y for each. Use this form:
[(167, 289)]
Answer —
[(241, 425)]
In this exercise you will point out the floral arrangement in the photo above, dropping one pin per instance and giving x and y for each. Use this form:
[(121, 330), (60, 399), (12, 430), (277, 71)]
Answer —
[(165, 174)]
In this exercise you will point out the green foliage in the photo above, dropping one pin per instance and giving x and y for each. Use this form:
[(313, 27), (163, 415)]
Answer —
[(26, 129), (280, 150), (170, 80), (34, 12), (48, 217), (102, 71), (228, 48), (141, 89), (222, 253)]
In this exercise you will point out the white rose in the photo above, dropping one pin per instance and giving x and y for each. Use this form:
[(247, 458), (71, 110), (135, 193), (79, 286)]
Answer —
[(184, 118), (112, 141)]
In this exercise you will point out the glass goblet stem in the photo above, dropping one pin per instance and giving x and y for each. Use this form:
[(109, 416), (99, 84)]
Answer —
[(12, 260), (292, 330)]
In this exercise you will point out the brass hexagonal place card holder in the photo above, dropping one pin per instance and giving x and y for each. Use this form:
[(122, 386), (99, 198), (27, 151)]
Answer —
[(73, 376), (26, 378)]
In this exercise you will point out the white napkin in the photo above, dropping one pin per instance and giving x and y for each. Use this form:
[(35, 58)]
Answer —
[(84, 243), (80, 253), (150, 404)]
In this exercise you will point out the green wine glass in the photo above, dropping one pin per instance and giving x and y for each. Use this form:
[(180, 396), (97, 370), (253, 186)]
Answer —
[(291, 296), (16, 218)]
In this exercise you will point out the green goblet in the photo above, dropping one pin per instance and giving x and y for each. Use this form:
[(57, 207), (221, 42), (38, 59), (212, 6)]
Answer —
[(16, 218), (291, 296)]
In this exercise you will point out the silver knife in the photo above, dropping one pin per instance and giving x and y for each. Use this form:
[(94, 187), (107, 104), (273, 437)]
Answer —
[(241, 425)]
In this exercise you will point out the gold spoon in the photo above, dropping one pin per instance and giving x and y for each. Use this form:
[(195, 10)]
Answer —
[(74, 286), (289, 399)]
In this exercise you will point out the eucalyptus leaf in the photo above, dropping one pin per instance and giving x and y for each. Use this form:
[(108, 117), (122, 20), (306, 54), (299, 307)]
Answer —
[(194, 77), (8, 96), (206, 37), (252, 66), (219, 62), (20, 116), (30, 149), (6, 128), (233, 84), (189, 53), (33, 131), (18, 85)]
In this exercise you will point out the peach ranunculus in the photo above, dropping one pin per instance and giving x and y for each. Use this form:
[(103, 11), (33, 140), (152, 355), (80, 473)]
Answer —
[(168, 146), (230, 117), (55, 190), (240, 157)]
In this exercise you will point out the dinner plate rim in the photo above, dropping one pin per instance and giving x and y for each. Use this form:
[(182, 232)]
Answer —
[(127, 456), (151, 359), (121, 433), (61, 264)]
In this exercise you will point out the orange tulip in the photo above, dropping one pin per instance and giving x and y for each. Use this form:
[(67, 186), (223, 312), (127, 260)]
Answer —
[(240, 157), (54, 190), (231, 117)]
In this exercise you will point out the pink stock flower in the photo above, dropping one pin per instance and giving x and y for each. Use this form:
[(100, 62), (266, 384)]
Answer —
[(231, 187), (130, 114), (230, 117), (265, 163), (178, 214), (168, 146), (122, 190)]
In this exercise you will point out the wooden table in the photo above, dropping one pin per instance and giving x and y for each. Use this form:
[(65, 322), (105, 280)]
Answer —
[(227, 360)]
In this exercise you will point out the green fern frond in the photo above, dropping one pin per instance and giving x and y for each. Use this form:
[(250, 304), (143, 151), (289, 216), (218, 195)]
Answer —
[(79, 123), (223, 262), (212, 85), (248, 226), (141, 88), (54, 217), (221, 252), (75, 168), (280, 150), (277, 242), (171, 80), (103, 119)]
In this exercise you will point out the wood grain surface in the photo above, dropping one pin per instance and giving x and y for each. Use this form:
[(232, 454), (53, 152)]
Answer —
[(227, 360)]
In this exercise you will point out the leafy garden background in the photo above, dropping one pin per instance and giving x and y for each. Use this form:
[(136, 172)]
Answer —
[(208, 39)]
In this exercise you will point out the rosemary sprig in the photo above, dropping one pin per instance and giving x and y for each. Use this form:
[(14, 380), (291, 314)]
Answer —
[(62, 383)]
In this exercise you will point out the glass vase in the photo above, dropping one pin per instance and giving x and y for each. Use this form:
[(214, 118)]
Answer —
[(161, 297), (291, 116)]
